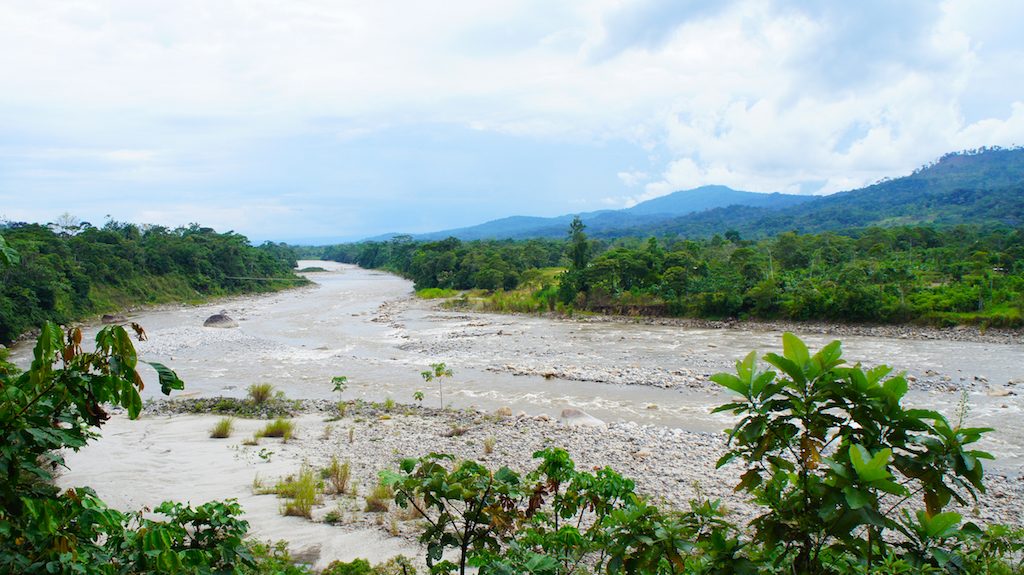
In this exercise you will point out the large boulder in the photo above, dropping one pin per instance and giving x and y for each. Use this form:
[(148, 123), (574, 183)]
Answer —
[(108, 318), (572, 417), (220, 320)]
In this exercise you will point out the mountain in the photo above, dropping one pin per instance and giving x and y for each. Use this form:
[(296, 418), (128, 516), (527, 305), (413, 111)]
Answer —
[(655, 212), (982, 187), (710, 197)]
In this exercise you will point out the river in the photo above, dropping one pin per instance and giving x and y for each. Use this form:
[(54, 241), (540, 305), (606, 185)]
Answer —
[(366, 325)]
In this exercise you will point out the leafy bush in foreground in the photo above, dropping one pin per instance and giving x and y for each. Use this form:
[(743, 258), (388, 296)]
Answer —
[(850, 481), (59, 404), (833, 456)]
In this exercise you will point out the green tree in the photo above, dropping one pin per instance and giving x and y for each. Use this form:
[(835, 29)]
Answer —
[(437, 371), (8, 255), (579, 247)]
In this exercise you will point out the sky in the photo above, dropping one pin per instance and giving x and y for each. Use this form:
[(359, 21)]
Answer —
[(322, 120)]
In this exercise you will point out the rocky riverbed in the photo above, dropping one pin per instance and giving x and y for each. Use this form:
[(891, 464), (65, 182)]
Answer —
[(670, 465), (628, 353), (837, 330), (647, 380)]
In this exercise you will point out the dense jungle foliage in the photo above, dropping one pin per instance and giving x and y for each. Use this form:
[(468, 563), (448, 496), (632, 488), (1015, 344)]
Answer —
[(69, 272), (933, 275), (449, 263)]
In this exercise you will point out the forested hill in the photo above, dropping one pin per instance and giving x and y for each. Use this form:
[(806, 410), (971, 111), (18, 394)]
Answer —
[(68, 274), (610, 223), (979, 187), (983, 187)]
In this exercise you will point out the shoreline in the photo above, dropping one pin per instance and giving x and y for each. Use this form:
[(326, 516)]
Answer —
[(126, 313)]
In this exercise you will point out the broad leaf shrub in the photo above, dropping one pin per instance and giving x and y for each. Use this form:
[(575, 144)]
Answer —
[(556, 519), (849, 481), (836, 461), (58, 404)]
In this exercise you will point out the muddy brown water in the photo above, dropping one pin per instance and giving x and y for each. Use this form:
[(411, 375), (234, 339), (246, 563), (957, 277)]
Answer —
[(367, 326)]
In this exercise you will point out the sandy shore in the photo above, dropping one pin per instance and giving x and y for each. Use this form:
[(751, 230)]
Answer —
[(169, 455)]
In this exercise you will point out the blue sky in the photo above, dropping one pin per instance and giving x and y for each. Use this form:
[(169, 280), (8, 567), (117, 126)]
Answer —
[(322, 119)]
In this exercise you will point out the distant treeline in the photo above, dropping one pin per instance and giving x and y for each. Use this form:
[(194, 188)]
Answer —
[(67, 273), (450, 263), (939, 276)]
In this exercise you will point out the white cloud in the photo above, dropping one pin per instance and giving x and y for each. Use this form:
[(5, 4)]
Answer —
[(764, 96), (634, 178)]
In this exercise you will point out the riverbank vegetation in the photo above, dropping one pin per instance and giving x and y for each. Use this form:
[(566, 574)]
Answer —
[(909, 274), (68, 272)]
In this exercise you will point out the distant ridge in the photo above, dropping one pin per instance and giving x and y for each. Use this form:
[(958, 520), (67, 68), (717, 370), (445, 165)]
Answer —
[(710, 197), (983, 186), (651, 212)]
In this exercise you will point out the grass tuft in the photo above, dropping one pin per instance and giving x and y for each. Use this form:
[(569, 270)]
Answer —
[(302, 494), (379, 500), (260, 393), (456, 431), (223, 428), (280, 427), (338, 474)]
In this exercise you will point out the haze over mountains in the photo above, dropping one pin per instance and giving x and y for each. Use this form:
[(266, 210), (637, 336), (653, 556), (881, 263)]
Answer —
[(984, 186)]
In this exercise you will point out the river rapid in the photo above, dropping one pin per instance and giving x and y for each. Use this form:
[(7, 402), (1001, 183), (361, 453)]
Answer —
[(367, 325)]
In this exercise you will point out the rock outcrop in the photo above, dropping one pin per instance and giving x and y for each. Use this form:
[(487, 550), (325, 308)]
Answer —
[(572, 417), (220, 320)]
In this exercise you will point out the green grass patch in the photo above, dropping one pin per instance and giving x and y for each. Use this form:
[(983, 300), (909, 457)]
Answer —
[(223, 428), (337, 475), (536, 278), (302, 494), (280, 427), (435, 293), (379, 499), (1002, 317), (259, 393)]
